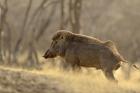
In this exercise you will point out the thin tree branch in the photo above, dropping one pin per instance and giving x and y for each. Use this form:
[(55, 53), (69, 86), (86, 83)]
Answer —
[(46, 24), (37, 11)]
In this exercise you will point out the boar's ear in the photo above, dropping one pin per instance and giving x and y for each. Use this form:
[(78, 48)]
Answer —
[(69, 37), (56, 36)]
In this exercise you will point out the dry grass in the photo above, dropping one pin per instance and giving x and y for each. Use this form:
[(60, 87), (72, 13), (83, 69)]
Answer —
[(53, 80), (93, 81)]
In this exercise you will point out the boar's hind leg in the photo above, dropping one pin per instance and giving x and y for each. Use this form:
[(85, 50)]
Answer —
[(109, 75), (107, 66)]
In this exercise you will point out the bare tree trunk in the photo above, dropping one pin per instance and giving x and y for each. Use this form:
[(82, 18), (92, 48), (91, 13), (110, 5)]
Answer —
[(62, 15), (9, 44), (4, 10), (32, 55), (1, 28), (22, 33), (32, 59), (7, 40), (75, 12)]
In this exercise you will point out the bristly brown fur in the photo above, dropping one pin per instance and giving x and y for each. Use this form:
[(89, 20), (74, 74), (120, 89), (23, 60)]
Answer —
[(69, 36), (80, 50), (76, 37)]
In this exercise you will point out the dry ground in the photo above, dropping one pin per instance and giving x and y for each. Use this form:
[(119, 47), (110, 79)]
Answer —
[(54, 80)]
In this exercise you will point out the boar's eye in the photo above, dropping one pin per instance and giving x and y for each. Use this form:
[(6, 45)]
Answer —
[(61, 37)]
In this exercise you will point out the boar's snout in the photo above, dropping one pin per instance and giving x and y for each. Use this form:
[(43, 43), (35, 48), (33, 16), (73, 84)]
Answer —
[(46, 55), (49, 54)]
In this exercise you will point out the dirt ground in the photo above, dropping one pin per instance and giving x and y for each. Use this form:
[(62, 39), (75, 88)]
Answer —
[(56, 81)]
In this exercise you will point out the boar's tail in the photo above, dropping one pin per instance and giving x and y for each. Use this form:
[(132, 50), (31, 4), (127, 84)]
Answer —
[(134, 65)]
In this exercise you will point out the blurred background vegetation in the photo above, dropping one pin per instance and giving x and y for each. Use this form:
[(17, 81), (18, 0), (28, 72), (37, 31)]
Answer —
[(26, 26)]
